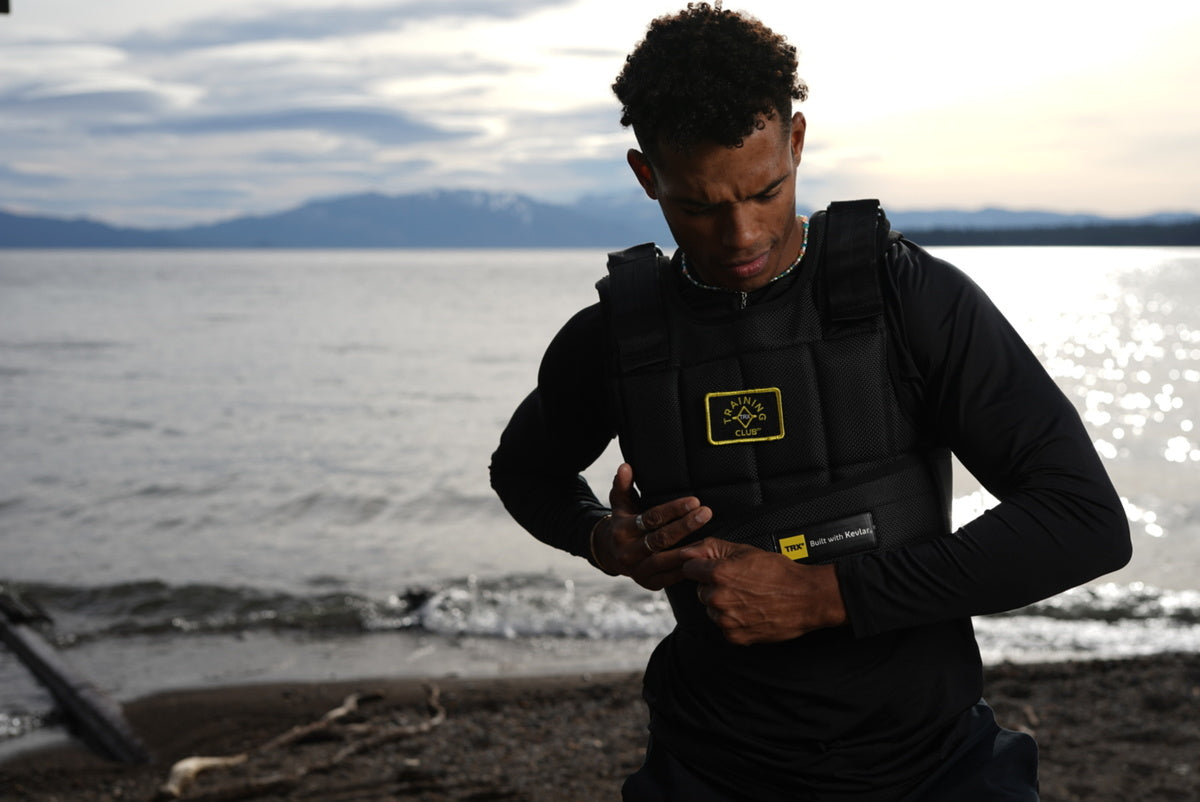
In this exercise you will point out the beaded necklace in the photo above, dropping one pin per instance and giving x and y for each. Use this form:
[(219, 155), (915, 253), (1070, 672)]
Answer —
[(790, 268)]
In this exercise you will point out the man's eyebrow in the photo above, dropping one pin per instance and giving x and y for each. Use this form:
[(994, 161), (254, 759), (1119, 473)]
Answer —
[(699, 204), (771, 187)]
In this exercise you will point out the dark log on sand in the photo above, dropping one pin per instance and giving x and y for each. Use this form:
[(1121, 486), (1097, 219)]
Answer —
[(94, 717)]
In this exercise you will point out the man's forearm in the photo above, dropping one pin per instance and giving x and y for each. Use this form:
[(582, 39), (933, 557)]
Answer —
[(549, 499), (1053, 534), (559, 511)]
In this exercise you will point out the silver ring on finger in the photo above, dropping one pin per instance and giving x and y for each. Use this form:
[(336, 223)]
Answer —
[(646, 543), (640, 523)]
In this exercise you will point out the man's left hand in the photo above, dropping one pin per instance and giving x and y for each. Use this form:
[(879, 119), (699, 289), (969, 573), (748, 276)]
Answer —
[(756, 596)]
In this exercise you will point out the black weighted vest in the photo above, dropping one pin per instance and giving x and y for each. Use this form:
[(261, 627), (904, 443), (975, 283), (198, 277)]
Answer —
[(781, 417)]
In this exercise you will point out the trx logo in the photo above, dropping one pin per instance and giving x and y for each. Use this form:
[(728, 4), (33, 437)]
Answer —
[(744, 416), (794, 547)]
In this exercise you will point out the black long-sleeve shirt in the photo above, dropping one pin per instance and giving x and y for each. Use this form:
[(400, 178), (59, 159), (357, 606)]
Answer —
[(961, 371)]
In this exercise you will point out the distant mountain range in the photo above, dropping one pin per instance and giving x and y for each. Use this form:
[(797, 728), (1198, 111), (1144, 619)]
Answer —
[(466, 219)]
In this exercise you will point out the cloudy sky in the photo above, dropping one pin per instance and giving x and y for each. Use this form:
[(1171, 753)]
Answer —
[(156, 112)]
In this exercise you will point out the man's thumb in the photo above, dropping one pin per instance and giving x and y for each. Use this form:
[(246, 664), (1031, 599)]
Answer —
[(622, 497)]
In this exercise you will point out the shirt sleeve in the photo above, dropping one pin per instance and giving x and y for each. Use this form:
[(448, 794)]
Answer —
[(560, 429), (965, 372)]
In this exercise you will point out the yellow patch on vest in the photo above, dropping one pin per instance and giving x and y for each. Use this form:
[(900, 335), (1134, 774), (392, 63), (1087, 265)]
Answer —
[(744, 416), (794, 547)]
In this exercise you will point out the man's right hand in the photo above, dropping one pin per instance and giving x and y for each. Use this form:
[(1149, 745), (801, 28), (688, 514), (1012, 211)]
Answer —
[(637, 543)]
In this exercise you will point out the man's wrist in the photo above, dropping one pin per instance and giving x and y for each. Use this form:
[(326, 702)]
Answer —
[(592, 545), (835, 607)]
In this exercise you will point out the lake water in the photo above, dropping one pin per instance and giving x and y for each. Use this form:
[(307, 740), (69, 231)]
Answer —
[(232, 466)]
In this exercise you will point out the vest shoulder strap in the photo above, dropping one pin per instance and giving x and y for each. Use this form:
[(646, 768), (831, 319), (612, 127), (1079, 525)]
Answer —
[(856, 237), (632, 291)]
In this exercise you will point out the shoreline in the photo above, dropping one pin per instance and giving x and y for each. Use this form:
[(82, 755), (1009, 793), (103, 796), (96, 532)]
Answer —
[(1125, 729)]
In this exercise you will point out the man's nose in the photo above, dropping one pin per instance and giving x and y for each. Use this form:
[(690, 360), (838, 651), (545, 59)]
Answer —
[(740, 232)]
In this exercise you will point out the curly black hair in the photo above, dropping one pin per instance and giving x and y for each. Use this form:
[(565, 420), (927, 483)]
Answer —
[(706, 75)]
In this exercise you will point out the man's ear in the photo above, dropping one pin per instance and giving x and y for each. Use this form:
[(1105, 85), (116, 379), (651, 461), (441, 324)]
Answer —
[(797, 137), (643, 172)]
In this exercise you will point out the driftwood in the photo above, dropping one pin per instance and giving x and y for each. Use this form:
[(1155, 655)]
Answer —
[(97, 718), (362, 738)]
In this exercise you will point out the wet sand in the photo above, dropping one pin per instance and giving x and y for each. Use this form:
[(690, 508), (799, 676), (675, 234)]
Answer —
[(1126, 730)]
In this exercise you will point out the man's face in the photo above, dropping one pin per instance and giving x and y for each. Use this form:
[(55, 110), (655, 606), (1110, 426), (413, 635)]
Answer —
[(732, 210)]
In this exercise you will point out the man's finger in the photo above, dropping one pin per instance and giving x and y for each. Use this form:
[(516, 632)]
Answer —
[(659, 571), (710, 548), (698, 570), (622, 498), (663, 514), (680, 528)]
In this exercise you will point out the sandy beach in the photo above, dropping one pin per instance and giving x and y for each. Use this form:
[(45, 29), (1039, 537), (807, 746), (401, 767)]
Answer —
[(1122, 730)]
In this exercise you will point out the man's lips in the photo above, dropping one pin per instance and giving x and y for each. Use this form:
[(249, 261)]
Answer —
[(748, 269)]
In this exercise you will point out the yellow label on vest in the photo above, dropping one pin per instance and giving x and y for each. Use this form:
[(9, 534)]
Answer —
[(794, 547), (744, 416)]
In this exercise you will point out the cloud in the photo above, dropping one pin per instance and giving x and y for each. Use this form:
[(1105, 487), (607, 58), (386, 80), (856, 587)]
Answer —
[(106, 103), (587, 52), (256, 111), (220, 107), (15, 176), (323, 23), (379, 126), (567, 125)]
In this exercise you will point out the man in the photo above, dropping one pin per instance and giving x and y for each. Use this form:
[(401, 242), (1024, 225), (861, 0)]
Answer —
[(786, 394)]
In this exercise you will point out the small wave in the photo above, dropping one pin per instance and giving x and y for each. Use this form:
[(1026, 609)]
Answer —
[(432, 506), (63, 346), (538, 607), (152, 608), (507, 607), (1112, 602), (115, 426), (439, 397), (355, 348), (157, 490), (1023, 639), (515, 606), (333, 508)]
